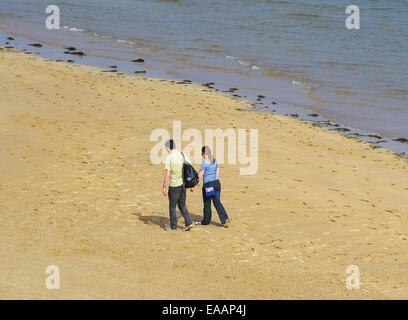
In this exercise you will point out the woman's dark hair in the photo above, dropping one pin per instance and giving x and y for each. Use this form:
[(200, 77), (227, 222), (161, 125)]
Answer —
[(206, 150)]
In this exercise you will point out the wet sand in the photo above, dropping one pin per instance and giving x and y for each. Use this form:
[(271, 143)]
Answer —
[(78, 190)]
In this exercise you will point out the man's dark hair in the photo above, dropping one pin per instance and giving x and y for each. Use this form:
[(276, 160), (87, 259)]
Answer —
[(170, 144)]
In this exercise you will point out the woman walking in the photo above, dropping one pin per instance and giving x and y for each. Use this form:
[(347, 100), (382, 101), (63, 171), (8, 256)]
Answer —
[(212, 188)]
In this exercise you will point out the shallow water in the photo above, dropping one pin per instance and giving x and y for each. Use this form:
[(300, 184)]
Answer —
[(297, 53)]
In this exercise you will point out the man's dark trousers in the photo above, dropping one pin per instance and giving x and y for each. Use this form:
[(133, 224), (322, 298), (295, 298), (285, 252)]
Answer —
[(177, 197)]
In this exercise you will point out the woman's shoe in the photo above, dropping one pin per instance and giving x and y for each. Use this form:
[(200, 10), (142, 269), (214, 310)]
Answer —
[(226, 223), (200, 223), (187, 228)]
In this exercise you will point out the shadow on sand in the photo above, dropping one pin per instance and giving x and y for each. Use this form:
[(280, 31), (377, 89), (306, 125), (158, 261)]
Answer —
[(163, 221)]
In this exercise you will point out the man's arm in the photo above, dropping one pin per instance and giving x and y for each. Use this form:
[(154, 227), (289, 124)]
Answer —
[(166, 179)]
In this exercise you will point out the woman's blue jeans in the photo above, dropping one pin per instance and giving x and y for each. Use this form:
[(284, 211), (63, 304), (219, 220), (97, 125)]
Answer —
[(216, 199)]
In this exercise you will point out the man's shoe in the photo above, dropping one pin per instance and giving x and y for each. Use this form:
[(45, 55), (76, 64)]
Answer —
[(168, 228), (186, 228)]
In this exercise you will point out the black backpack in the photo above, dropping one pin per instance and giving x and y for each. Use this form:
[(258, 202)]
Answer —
[(190, 175)]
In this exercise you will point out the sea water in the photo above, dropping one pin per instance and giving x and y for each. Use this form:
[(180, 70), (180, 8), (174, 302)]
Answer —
[(298, 54)]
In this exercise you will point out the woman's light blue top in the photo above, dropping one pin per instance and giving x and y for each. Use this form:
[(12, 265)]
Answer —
[(210, 170)]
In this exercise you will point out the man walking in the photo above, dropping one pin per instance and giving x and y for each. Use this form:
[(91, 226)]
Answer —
[(173, 186)]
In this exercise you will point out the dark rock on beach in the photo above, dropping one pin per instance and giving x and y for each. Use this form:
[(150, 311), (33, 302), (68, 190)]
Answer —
[(78, 53), (138, 60), (140, 72), (313, 115), (184, 82), (402, 140), (37, 45), (70, 61), (374, 136), (10, 38), (357, 134), (343, 129), (209, 85), (71, 49)]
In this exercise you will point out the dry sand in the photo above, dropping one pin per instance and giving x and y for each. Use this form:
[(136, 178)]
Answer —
[(77, 190)]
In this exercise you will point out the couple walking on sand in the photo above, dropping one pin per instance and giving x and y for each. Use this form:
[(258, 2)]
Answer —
[(173, 187)]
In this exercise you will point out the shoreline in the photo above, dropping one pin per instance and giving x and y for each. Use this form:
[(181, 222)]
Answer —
[(78, 190), (399, 145)]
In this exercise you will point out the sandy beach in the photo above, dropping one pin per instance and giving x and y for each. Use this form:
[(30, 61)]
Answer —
[(78, 190)]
